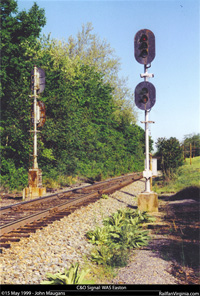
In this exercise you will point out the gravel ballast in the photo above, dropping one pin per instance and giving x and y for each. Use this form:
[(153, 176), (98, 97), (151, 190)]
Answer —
[(62, 243)]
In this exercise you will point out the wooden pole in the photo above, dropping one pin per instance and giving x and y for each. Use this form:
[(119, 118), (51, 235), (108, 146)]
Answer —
[(190, 153), (184, 153)]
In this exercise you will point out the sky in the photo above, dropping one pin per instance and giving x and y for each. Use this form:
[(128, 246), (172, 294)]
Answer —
[(175, 25)]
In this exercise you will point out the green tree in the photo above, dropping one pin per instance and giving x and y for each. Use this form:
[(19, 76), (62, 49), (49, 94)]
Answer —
[(92, 51), (17, 28), (171, 154), (86, 132), (81, 123), (80, 127), (194, 140)]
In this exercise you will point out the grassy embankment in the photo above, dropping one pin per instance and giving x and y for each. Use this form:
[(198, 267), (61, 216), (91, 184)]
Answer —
[(181, 245), (186, 176)]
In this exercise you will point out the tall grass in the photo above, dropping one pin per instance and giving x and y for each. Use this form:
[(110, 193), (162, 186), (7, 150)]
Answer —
[(187, 175)]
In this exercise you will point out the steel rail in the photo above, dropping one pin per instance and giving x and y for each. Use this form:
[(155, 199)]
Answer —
[(9, 227), (35, 217), (58, 194)]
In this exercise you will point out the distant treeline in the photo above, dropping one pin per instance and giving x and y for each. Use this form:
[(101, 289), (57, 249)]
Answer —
[(90, 128), (191, 145)]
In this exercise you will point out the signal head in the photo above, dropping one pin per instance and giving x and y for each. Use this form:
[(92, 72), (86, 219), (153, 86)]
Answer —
[(144, 46), (145, 95)]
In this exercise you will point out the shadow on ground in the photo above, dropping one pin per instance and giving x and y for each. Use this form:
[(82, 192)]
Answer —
[(191, 192), (179, 240)]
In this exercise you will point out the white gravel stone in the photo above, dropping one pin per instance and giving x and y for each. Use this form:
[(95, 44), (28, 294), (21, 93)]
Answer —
[(62, 243)]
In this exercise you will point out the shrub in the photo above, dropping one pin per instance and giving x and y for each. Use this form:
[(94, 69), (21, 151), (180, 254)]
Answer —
[(171, 155), (98, 236), (69, 277), (112, 255), (120, 233), (12, 177)]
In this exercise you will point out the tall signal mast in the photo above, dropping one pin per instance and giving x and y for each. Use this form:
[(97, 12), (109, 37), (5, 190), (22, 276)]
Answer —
[(35, 188)]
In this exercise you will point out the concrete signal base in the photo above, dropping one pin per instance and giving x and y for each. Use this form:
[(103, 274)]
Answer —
[(33, 192), (34, 188), (148, 202)]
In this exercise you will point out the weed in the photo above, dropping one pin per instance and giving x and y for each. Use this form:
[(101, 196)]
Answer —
[(50, 183), (120, 233), (69, 277), (98, 236), (104, 196), (112, 255)]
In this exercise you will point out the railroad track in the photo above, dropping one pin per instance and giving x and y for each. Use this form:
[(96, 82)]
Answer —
[(23, 218)]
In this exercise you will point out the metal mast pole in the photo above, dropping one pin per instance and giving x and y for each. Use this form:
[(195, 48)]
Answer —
[(35, 164), (147, 184)]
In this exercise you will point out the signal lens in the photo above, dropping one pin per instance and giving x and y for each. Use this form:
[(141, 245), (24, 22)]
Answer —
[(143, 38), (144, 93), (144, 99), (144, 53)]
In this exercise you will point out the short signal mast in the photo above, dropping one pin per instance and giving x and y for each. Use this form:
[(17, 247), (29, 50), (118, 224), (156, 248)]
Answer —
[(145, 98), (38, 117)]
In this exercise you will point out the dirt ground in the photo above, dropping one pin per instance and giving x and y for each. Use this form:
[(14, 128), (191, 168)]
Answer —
[(179, 238)]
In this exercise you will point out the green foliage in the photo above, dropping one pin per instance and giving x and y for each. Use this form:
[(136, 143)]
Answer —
[(116, 219), (11, 177), (120, 233), (128, 216), (194, 140), (104, 196), (186, 176), (114, 255), (98, 236), (16, 30), (96, 52), (171, 155), (90, 128), (69, 277)]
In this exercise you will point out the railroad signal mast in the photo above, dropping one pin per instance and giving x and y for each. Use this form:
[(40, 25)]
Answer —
[(37, 86), (38, 116), (145, 98)]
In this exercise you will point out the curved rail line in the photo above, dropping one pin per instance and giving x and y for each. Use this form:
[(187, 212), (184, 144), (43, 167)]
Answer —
[(21, 219)]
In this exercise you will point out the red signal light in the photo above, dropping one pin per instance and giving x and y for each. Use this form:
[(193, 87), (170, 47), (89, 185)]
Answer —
[(144, 99), (143, 38)]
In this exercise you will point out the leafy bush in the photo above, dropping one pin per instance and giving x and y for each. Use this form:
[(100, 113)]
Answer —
[(69, 277), (98, 236), (133, 237), (120, 233), (11, 177), (114, 255), (171, 155), (54, 177), (127, 216)]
